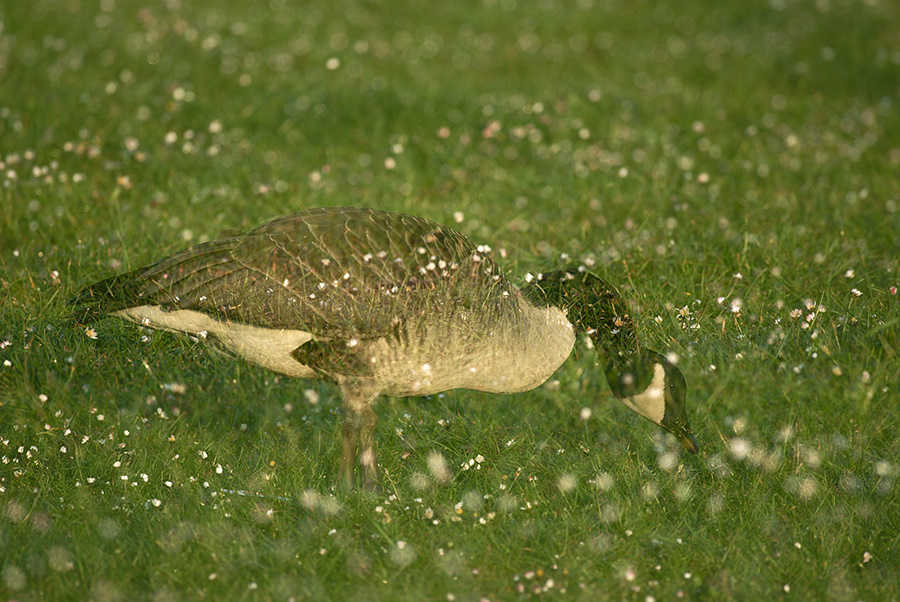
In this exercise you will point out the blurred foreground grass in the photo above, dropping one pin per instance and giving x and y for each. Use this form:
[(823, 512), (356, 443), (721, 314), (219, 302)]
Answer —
[(733, 169)]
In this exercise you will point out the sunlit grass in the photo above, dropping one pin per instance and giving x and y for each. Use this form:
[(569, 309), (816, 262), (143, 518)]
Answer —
[(731, 169)]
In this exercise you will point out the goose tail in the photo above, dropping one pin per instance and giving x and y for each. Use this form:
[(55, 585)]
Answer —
[(179, 280), (110, 295)]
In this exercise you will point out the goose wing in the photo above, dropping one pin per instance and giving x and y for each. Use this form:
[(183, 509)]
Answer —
[(334, 272)]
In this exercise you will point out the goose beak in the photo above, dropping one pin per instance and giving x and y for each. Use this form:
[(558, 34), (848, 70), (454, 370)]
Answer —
[(688, 441), (682, 432)]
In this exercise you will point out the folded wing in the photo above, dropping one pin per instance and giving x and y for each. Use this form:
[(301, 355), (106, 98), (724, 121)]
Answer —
[(335, 273)]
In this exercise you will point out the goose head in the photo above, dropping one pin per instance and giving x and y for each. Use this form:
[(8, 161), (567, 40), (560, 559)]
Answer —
[(645, 381), (652, 386)]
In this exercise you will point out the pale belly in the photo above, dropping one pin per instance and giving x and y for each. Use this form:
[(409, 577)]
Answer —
[(492, 371), (497, 364), (510, 360)]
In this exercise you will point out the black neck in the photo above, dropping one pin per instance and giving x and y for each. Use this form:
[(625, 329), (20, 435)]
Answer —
[(593, 306)]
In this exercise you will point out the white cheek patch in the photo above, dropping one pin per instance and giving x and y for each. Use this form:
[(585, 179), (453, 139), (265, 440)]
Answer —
[(651, 403)]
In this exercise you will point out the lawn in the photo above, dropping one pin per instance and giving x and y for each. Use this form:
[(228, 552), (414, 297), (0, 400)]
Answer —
[(731, 167)]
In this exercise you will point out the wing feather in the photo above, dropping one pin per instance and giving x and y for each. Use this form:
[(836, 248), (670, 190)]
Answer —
[(337, 273)]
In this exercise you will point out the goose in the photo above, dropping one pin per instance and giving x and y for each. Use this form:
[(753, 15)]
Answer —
[(386, 303)]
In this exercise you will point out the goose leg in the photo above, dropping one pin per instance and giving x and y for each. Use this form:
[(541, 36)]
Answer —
[(348, 447), (359, 433), (367, 458)]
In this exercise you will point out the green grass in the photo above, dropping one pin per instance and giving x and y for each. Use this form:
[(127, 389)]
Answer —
[(731, 167)]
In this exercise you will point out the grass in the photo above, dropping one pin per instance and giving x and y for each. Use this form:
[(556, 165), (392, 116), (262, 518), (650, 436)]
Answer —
[(732, 168)]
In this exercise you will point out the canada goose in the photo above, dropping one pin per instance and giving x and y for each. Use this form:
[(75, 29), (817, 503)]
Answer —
[(382, 302)]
